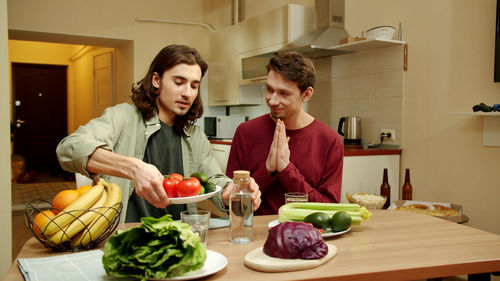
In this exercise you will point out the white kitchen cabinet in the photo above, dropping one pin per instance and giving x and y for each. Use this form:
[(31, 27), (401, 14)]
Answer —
[(275, 29), (221, 154), (223, 66), (364, 174), (225, 72), (262, 34)]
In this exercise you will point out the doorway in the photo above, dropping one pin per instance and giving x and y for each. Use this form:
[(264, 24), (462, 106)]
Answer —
[(39, 122), (78, 109), (39, 95)]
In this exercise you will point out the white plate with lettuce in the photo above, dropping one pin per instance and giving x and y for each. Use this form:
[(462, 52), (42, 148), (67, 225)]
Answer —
[(193, 199), (159, 249), (324, 235), (214, 263)]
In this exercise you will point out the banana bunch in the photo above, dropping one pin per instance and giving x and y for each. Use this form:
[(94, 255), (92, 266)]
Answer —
[(87, 217)]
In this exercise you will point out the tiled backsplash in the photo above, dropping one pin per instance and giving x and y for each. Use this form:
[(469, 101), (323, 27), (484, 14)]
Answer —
[(367, 84)]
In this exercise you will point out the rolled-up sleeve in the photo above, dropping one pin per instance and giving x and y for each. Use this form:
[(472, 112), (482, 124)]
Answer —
[(74, 151)]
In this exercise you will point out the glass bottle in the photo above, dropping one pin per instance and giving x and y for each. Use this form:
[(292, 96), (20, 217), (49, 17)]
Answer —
[(407, 188), (385, 189), (241, 209)]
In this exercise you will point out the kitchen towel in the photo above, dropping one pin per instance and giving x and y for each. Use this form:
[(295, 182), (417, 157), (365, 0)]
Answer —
[(219, 222), (77, 266)]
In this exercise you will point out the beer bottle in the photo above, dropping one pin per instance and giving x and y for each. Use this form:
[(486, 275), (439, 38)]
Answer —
[(385, 189), (407, 188)]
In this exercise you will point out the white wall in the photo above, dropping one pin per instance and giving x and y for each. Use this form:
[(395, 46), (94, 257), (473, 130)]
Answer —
[(116, 20), (5, 170), (367, 84), (82, 106), (450, 68)]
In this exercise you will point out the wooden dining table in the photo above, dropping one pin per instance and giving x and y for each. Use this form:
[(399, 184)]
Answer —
[(391, 245)]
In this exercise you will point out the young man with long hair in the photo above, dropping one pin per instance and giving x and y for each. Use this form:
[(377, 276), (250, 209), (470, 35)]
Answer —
[(134, 145)]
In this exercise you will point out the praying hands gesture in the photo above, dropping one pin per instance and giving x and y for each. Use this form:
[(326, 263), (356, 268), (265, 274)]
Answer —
[(279, 153)]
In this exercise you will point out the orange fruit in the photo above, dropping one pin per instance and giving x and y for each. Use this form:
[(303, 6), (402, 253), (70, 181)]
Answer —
[(63, 199), (41, 219), (82, 189)]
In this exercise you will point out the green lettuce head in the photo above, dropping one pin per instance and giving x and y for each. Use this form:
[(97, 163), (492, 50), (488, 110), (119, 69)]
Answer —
[(159, 248)]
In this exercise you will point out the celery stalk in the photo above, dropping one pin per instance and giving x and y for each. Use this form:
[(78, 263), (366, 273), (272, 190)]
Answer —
[(325, 206), (297, 211)]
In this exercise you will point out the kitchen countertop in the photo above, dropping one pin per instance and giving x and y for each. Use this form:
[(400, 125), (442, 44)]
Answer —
[(349, 150), (353, 150)]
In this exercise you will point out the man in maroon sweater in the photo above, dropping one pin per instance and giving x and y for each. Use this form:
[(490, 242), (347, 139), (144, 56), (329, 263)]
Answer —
[(289, 150)]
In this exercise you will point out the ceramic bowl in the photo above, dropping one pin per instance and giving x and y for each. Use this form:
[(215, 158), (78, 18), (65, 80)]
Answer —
[(381, 32)]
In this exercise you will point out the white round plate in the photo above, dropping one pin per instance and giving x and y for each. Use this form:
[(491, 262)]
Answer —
[(215, 262), (193, 199), (325, 235)]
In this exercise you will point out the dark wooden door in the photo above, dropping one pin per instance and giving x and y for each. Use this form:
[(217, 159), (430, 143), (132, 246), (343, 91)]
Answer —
[(39, 113)]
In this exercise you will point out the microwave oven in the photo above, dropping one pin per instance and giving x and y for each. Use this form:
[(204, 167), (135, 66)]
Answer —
[(222, 127)]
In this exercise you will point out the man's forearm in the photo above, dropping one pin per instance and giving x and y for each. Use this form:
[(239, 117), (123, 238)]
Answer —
[(103, 161)]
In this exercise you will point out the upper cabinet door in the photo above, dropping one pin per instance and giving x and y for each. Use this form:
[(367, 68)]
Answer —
[(275, 29), (223, 66), (252, 37)]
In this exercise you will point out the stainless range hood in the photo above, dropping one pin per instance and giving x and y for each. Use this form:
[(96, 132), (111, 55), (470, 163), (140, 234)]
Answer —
[(330, 17)]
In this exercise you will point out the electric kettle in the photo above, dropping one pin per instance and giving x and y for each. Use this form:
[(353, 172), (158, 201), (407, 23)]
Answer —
[(351, 126)]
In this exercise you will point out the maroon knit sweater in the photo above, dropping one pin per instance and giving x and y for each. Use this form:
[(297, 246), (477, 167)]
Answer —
[(316, 159)]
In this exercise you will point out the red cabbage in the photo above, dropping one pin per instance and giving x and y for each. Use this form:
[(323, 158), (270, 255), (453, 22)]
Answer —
[(295, 240)]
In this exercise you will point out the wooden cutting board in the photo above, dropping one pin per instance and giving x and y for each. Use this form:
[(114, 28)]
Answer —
[(259, 261)]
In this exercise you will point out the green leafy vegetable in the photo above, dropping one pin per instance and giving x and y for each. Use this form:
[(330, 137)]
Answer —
[(159, 248)]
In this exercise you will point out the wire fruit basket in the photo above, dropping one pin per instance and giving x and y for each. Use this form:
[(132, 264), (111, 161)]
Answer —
[(70, 243)]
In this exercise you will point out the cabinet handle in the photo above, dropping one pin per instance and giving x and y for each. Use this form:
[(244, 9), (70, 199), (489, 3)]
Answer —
[(405, 58)]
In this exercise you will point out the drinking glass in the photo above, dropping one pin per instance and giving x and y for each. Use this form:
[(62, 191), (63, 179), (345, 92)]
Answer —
[(296, 197), (199, 221)]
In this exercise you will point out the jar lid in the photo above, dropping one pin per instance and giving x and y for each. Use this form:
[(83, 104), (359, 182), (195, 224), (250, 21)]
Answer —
[(241, 174)]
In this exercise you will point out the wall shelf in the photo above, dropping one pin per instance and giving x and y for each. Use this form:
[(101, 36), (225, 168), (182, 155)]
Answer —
[(365, 45), (479, 113), (491, 126), (356, 46)]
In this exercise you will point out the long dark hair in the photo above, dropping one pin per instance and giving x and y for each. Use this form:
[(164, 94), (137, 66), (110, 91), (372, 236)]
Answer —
[(144, 94)]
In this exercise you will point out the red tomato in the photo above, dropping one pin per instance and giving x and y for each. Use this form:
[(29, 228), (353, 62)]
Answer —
[(176, 176), (188, 187), (170, 186)]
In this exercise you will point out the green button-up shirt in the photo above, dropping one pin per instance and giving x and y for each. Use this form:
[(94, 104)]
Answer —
[(121, 129)]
